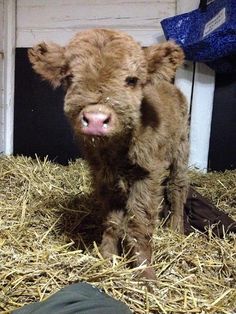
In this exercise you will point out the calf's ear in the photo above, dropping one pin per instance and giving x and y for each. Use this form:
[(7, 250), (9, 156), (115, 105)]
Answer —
[(163, 60), (49, 61)]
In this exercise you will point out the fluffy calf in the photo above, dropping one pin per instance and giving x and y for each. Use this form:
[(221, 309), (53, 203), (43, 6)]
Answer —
[(132, 124)]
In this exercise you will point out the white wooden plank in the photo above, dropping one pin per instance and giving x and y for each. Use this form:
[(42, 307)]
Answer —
[(184, 80), (1, 25), (80, 13), (28, 38), (202, 104), (9, 73), (59, 20), (186, 5), (1, 80)]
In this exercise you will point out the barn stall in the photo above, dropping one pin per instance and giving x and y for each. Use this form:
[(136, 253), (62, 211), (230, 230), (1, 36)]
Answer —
[(44, 204)]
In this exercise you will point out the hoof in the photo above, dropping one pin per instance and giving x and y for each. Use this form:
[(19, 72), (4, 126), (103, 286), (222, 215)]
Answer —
[(148, 273)]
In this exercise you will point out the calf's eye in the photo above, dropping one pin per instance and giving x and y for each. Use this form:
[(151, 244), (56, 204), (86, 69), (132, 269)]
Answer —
[(131, 81), (67, 81)]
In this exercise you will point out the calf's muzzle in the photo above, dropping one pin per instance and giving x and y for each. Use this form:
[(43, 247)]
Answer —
[(95, 123)]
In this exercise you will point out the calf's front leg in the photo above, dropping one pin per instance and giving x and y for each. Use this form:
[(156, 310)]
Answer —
[(143, 206), (112, 234)]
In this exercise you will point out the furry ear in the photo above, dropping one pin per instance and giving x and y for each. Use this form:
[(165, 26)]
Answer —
[(163, 60), (49, 61)]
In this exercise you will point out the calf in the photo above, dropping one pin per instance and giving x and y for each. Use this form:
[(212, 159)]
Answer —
[(132, 125)]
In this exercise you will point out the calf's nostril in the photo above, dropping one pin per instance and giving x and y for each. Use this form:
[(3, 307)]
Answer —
[(85, 121), (106, 122)]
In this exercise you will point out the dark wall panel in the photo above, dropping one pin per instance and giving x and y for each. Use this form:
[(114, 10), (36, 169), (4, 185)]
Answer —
[(40, 126), (222, 153)]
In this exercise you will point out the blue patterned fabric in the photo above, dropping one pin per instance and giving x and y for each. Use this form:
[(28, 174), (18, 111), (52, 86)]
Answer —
[(208, 36)]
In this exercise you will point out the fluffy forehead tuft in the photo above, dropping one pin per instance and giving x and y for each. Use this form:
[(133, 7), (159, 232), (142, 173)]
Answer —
[(106, 51)]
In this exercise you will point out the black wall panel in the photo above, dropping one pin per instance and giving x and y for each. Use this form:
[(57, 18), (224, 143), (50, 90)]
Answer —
[(40, 126), (222, 154)]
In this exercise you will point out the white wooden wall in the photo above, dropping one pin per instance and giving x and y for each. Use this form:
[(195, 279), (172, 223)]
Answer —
[(58, 20), (8, 12), (1, 78)]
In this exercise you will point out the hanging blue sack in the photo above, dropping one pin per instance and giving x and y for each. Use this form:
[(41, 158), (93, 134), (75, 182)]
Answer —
[(207, 34)]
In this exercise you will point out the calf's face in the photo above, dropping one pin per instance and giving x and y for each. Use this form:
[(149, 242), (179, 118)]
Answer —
[(105, 89), (104, 73)]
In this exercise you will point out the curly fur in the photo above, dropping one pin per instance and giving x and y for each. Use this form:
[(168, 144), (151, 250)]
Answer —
[(148, 139)]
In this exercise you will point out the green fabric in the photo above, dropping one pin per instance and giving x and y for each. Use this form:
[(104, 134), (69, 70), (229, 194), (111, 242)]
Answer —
[(76, 298)]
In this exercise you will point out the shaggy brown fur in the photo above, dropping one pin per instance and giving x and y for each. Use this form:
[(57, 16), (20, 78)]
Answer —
[(132, 124)]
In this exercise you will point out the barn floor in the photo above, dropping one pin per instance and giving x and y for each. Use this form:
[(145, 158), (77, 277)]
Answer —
[(45, 221)]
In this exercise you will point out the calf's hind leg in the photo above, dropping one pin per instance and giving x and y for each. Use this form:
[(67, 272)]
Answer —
[(178, 187)]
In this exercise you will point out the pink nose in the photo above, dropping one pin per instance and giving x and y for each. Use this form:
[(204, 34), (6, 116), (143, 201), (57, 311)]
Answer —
[(95, 123)]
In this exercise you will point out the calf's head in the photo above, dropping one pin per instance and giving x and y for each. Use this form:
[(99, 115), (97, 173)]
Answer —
[(104, 73)]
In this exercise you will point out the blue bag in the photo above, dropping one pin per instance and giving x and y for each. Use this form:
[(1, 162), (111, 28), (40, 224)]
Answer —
[(207, 35)]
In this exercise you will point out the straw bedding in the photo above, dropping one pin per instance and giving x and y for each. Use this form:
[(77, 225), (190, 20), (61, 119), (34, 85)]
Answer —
[(46, 243)]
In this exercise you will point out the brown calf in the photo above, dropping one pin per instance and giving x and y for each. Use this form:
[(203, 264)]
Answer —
[(132, 124)]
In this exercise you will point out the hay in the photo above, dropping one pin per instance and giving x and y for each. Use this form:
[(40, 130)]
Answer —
[(44, 208)]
